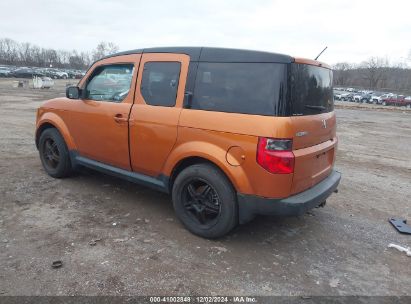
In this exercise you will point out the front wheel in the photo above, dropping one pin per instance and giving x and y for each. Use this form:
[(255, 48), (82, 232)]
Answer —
[(205, 201), (54, 154)]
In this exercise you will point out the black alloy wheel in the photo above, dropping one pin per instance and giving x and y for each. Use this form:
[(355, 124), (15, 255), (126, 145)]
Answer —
[(51, 154), (54, 154), (201, 202), (205, 201)]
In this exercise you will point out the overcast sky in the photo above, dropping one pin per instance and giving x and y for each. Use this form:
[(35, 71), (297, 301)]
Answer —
[(352, 30)]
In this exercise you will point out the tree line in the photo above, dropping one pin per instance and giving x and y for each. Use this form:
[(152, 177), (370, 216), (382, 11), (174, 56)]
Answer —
[(376, 74), (27, 54)]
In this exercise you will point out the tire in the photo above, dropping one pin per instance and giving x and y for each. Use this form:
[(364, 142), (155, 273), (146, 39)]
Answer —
[(54, 154), (203, 186)]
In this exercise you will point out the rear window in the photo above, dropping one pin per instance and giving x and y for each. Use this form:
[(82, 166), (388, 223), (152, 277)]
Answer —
[(311, 90), (249, 88)]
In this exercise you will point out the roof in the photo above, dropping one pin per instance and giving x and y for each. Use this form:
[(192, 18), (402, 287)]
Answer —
[(209, 54)]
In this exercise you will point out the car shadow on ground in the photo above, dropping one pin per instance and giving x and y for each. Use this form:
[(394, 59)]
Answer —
[(130, 196)]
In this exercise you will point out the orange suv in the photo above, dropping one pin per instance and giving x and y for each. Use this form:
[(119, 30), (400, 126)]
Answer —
[(229, 133)]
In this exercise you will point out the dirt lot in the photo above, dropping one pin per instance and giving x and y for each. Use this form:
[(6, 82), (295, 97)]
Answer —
[(337, 250)]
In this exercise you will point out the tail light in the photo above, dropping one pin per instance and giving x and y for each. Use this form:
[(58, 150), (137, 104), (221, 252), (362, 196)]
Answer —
[(275, 155)]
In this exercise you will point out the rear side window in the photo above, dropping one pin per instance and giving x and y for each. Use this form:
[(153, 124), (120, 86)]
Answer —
[(249, 88), (110, 83), (160, 83), (311, 90)]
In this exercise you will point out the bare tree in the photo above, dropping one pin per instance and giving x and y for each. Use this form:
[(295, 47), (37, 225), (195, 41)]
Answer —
[(103, 49), (342, 73), (374, 70), (79, 60), (10, 51), (27, 54)]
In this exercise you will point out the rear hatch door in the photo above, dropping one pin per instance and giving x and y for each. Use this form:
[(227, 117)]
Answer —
[(314, 125)]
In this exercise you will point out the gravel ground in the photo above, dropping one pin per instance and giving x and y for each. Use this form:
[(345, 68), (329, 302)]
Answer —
[(140, 248)]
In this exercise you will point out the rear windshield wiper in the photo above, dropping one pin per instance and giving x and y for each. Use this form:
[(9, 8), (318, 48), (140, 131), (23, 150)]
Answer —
[(322, 108)]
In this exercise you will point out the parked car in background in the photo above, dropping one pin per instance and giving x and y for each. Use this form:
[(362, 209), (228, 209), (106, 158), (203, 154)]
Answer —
[(347, 97), (48, 73), (396, 100), (54, 73), (61, 74), (337, 96), (74, 74), (357, 97), (5, 72), (376, 98), (26, 73), (364, 98)]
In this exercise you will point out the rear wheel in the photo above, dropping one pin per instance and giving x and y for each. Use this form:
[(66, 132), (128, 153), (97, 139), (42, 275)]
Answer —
[(54, 154), (204, 201)]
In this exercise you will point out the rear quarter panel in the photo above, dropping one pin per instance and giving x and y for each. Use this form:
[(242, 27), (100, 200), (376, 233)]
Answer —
[(210, 135)]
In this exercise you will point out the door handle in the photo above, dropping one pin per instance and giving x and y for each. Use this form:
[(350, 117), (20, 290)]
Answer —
[(119, 118)]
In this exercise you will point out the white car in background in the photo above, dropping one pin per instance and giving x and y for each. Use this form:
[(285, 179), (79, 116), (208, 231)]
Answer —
[(377, 98), (357, 97), (61, 74)]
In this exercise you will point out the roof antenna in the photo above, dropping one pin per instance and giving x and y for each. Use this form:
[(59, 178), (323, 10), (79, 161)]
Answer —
[(321, 53)]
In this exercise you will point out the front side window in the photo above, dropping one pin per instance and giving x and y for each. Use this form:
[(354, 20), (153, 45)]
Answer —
[(249, 88), (160, 83), (110, 83)]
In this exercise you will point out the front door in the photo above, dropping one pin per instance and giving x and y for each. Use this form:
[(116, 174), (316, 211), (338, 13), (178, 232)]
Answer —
[(99, 123), (154, 117)]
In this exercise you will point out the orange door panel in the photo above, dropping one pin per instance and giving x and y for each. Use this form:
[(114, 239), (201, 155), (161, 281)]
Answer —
[(100, 128), (153, 128)]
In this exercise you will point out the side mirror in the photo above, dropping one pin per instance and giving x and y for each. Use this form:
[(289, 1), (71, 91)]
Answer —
[(73, 92)]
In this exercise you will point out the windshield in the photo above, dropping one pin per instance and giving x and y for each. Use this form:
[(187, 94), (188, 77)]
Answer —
[(311, 90)]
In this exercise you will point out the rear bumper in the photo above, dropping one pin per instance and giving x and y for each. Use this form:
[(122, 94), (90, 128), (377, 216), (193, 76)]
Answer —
[(251, 205)]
